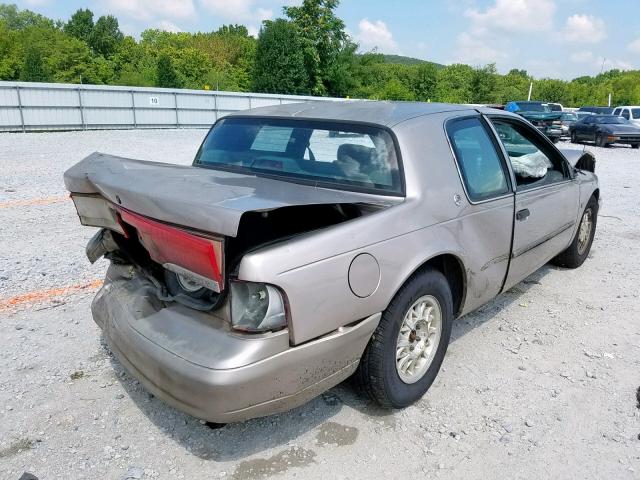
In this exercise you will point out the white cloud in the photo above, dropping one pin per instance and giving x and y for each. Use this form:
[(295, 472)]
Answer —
[(514, 16), (489, 36), (237, 10), (634, 46), (596, 63), (168, 26), (475, 49), (375, 35), (582, 57), (37, 3), (584, 29), (149, 9)]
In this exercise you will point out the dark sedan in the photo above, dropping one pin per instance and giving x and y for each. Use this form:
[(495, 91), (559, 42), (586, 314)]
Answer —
[(605, 130)]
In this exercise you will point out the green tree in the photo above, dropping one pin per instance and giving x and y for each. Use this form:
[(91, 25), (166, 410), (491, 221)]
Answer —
[(235, 29), (16, 19), (280, 61), (454, 84), (80, 25), (192, 66), (33, 67), (549, 90), (426, 79), (394, 89), (10, 60), (324, 39), (512, 86), (106, 36), (483, 84), (166, 75)]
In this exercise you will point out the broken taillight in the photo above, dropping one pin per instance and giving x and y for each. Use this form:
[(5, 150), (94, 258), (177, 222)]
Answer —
[(197, 257)]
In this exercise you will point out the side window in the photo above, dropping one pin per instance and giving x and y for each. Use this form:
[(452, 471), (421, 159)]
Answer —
[(534, 163), (616, 111), (625, 113), (478, 159)]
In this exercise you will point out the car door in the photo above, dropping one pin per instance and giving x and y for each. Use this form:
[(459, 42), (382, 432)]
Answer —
[(546, 197), (487, 224), (589, 132), (581, 128)]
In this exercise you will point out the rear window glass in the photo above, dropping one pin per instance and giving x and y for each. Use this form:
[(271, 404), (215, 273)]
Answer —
[(343, 155)]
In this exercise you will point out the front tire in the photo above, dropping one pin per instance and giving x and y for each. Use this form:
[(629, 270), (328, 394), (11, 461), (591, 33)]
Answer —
[(578, 251), (574, 137), (408, 346), (600, 141)]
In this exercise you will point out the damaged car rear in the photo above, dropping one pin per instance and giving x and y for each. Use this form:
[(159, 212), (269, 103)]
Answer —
[(308, 242)]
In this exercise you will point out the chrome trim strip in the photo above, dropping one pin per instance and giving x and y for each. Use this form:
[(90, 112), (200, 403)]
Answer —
[(542, 240)]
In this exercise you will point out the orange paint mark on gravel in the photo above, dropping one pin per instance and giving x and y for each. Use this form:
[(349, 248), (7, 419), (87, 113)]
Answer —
[(40, 296), (33, 201)]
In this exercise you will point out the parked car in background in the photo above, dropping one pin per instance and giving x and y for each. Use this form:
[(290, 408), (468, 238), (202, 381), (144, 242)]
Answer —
[(605, 130), (555, 107), (581, 115), (631, 113), (597, 110), (567, 119), (286, 259), (540, 115)]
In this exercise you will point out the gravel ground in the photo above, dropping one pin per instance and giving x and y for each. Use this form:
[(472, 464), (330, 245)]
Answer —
[(540, 383)]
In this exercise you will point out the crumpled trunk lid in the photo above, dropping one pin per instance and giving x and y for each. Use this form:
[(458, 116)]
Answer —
[(199, 198)]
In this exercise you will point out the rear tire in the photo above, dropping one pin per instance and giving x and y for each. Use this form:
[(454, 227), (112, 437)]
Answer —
[(578, 251), (635, 145), (404, 341)]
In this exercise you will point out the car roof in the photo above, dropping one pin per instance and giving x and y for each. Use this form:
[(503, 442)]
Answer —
[(385, 113)]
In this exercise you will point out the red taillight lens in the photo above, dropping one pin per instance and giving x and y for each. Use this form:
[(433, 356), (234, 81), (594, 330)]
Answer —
[(171, 247)]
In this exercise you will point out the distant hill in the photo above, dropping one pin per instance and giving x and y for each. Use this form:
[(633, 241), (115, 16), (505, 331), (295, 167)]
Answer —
[(407, 60)]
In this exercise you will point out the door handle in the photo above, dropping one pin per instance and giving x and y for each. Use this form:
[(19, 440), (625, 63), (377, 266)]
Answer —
[(523, 214)]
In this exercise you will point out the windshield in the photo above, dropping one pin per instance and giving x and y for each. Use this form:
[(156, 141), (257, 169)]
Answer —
[(611, 119), (350, 156), (533, 107), (571, 117)]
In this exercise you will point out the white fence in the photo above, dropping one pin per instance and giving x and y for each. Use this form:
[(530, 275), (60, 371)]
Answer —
[(26, 106)]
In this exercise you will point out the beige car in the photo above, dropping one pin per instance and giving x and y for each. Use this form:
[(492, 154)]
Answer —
[(309, 242)]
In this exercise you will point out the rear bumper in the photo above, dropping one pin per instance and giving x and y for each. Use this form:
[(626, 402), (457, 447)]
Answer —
[(192, 362)]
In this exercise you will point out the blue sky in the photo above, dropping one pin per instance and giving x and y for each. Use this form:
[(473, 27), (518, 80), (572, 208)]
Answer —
[(548, 38)]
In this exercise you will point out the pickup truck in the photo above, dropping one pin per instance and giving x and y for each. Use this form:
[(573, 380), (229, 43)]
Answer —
[(541, 116)]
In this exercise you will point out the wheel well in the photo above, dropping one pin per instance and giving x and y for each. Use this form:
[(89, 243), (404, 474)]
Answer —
[(453, 270), (596, 193)]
